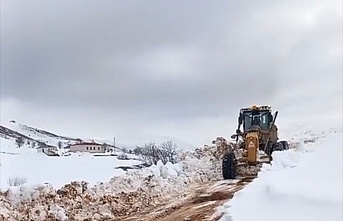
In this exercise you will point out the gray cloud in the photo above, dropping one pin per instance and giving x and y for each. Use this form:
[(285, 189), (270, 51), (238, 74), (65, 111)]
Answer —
[(170, 61)]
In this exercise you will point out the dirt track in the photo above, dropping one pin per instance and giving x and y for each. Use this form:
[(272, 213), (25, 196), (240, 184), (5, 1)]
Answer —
[(198, 204)]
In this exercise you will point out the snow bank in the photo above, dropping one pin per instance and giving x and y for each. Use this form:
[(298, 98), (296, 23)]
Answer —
[(122, 195), (301, 184)]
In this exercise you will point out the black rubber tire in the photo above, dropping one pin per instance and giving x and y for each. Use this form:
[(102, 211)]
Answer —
[(278, 147), (229, 166), (285, 145), (269, 149)]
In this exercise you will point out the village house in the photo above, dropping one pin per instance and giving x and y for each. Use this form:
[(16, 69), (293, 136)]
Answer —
[(87, 147), (48, 150)]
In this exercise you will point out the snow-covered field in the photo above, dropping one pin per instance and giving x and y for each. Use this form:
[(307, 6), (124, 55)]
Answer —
[(38, 168), (301, 184)]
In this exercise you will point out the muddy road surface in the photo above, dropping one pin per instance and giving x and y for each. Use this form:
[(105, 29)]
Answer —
[(200, 203)]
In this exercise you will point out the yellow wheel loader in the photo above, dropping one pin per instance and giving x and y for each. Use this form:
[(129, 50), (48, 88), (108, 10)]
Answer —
[(255, 143)]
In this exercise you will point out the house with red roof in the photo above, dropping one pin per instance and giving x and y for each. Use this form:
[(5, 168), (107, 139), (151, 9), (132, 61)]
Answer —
[(90, 147)]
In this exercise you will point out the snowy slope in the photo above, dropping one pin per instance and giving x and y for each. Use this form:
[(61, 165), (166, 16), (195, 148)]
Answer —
[(302, 184), (12, 129), (39, 134), (8, 146)]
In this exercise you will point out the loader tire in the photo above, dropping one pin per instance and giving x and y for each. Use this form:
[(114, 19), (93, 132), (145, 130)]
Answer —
[(229, 166), (285, 145), (269, 149), (278, 147), (281, 146)]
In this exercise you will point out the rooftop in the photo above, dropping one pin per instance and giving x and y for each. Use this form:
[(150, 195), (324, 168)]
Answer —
[(86, 143)]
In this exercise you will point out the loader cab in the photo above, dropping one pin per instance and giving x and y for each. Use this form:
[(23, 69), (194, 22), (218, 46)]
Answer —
[(255, 119)]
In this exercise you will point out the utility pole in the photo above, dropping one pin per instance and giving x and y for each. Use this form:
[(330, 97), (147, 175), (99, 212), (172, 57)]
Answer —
[(114, 141)]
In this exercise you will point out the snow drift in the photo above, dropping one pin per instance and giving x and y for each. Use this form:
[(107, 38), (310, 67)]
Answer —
[(301, 184)]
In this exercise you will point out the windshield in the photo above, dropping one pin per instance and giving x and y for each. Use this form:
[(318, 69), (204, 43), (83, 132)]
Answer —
[(256, 118)]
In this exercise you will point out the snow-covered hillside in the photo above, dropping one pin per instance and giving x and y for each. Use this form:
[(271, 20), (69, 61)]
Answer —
[(11, 130), (301, 184), (38, 134)]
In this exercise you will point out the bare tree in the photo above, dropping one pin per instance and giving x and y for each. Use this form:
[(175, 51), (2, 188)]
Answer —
[(20, 141), (151, 153), (138, 151), (16, 181), (59, 144), (169, 152)]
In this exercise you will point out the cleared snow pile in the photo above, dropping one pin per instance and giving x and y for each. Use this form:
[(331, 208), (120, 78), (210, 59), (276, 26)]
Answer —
[(121, 196), (24, 203), (301, 184), (214, 154)]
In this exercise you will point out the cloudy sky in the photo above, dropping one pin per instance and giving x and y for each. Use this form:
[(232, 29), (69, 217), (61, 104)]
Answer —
[(154, 70)]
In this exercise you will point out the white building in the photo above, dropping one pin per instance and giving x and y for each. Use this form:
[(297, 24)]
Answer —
[(87, 147), (48, 150)]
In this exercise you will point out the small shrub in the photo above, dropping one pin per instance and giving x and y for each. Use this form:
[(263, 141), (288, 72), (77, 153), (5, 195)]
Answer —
[(123, 156), (16, 181), (20, 141)]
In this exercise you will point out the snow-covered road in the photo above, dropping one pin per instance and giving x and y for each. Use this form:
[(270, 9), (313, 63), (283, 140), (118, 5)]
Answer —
[(301, 184)]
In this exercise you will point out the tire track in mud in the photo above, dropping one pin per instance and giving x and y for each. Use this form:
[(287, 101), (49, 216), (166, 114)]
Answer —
[(200, 203)]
